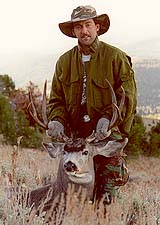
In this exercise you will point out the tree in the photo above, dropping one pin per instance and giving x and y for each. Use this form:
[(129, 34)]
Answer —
[(154, 141), (15, 120), (31, 135), (137, 139), (7, 123), (6, 85), (19, 99)]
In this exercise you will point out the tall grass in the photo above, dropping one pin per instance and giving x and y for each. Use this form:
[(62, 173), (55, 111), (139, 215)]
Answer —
[(26, 169)]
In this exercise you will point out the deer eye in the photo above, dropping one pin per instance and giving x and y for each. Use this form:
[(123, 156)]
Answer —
[(85, 153)]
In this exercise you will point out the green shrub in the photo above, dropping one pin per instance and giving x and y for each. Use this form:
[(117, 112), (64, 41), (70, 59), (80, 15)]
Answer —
[(137, 138), (31, 135), (7, 123), (14, 124), (154, 141), (6, 85)]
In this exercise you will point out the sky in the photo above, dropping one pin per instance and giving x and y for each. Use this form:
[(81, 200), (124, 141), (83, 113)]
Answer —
[(31, 26)]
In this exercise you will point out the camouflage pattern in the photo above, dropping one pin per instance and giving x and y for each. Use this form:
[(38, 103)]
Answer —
[(111, 173), (84, 13)]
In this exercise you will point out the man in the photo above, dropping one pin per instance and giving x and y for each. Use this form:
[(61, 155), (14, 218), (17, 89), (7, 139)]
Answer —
[(80, 98)]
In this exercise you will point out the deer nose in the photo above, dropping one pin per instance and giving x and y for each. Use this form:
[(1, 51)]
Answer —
[(70, 167)]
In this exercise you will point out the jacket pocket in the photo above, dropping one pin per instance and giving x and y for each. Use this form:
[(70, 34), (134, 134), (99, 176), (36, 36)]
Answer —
[(71, 89), (101, 94)]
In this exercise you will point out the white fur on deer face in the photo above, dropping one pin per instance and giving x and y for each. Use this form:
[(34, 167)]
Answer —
[(78, 165)]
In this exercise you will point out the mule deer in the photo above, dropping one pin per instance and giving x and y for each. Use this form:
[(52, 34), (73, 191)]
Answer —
[(76, 156)]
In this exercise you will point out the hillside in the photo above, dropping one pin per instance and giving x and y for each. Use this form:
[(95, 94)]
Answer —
[(147, 74)]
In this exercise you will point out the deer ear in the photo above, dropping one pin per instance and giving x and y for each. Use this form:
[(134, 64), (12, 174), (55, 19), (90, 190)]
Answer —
[(112, 148), (54, 149)]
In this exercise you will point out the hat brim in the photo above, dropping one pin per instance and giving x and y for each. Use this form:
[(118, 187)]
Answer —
[(102, 19)]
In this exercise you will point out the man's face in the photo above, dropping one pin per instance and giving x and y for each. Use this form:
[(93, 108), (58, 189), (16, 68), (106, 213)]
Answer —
[(86, 31)]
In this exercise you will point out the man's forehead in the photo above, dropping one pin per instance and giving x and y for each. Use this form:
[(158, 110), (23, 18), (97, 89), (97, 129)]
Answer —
[(83, 22)]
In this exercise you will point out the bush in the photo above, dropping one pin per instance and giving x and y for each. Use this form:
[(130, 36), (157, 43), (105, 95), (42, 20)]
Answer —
[(15, 120), (14, 124), (6, 85), (137, 138), (7, 123), (154, 141), (31, 135)]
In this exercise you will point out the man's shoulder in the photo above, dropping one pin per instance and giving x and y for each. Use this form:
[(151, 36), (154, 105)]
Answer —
[(111, 48), (115, 52), (68, 53)]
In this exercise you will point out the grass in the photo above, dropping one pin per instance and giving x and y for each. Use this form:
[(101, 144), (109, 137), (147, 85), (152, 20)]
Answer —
[(30, 168)]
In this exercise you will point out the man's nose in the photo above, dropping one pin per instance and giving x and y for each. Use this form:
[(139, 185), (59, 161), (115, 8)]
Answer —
[(84, 29)]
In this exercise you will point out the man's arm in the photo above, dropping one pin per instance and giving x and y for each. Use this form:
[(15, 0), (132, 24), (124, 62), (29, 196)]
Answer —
[(125, 77), (57, 103)]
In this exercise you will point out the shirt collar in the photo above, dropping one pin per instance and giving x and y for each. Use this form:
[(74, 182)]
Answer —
[(89, 50)]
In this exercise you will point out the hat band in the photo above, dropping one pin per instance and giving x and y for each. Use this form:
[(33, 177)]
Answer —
[(82, 18)]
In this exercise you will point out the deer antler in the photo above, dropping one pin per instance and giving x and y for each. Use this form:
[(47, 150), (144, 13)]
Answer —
[(116, 111), (44, 105), (33, 112)]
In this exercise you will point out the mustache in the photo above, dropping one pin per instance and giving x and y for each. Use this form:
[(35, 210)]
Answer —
[(85, 35)]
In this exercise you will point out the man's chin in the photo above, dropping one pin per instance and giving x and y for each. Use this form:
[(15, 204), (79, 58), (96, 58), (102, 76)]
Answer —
[(86, 42)]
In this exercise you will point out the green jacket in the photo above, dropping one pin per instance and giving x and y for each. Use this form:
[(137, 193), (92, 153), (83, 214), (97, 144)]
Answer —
[(106, 62)]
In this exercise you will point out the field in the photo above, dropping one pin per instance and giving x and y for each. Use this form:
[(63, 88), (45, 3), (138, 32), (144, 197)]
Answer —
[(138, 201)]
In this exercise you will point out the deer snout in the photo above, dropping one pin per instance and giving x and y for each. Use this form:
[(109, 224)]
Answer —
[(70, 167)]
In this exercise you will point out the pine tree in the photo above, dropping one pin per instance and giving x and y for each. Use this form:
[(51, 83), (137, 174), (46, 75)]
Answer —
[(154, 141), (137, 138), (6, 85), (7, 123), (31, 135)]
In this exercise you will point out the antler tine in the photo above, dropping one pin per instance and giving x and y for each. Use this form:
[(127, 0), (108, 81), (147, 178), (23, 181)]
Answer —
[(33, 112), (116, 111), (91, 137), (115, 107), (119, 109), (44, 105), (122, 101)]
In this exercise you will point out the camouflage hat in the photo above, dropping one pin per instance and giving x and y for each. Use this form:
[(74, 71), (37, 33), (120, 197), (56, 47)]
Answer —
[(84, 13)]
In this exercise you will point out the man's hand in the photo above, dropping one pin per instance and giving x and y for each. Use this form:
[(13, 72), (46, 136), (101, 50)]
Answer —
[(102, 129), (56, 130)]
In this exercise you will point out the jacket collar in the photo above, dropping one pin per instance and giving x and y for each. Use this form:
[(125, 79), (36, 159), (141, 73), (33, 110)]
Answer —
[(89, 50)]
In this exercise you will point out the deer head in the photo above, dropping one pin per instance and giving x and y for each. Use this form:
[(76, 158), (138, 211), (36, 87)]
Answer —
[(77, 156)]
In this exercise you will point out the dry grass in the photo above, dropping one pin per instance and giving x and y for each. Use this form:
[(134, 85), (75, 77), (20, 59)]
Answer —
[(31, 168)]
